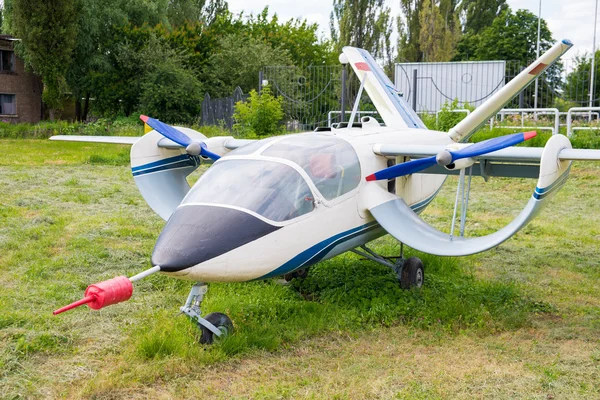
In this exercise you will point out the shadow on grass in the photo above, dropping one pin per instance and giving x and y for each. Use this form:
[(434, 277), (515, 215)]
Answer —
[(346, 294)]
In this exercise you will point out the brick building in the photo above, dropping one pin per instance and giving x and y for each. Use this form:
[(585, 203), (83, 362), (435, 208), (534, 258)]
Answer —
[(20, 90)]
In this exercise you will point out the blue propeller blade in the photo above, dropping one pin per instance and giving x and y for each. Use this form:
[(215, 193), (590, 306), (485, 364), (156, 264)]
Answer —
[(477, 149), (177, 136), (487, 146), (406, 168)]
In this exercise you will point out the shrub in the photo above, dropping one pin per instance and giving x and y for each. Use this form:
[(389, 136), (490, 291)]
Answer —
[(260, 115), (447, 118)]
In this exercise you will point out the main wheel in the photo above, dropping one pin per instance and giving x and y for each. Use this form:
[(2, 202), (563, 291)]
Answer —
[(221, 321), (299, 273), (413, 273)]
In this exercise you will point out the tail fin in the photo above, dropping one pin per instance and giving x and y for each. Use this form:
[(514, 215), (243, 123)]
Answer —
[(465, 128), (393, 109)]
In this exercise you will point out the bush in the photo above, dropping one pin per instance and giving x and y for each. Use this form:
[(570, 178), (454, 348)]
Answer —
[(261, 115), (447, 118)]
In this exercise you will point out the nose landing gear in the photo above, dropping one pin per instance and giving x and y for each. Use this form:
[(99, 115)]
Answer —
[(214, 324)]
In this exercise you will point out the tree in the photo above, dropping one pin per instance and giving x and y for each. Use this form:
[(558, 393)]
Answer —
[(362, 23), (511, 36), (409, 30), (577, 86), (439, 33), (169, 91), (238, 62), (206, 11), (47, 29), (479, 14)]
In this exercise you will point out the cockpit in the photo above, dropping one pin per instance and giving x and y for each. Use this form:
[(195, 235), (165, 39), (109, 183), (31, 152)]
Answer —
[(280, 178)]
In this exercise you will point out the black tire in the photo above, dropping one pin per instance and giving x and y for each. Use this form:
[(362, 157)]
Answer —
[(413, 273), (299, 273), (221, 321)]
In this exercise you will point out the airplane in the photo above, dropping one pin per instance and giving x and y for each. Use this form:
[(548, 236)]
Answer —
[(274, 207)]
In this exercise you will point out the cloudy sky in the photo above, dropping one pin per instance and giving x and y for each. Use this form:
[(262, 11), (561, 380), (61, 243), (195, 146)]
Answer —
[(567, 19)]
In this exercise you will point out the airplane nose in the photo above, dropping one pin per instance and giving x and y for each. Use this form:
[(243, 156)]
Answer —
[(197, 233)]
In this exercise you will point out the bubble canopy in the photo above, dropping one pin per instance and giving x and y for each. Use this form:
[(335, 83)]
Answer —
[(259, 183)]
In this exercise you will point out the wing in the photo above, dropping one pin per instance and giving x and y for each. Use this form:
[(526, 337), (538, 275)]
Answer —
[(512, 162), (229, 144), (391, 106), (551, 165), (97, 139)]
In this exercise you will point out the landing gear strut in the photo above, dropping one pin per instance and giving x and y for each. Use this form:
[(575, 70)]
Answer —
[(409, 272), (214, 324)]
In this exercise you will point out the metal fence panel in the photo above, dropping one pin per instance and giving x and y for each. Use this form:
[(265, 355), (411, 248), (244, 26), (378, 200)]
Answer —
[(438, 83)]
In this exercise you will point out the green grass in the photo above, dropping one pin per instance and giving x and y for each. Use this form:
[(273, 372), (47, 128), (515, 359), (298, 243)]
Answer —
[(521, 320)]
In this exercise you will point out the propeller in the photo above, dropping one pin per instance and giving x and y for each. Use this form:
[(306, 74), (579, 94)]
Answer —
[(448, 157), (191, 147)]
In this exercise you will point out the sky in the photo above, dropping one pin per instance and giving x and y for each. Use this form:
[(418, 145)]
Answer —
[(567, 19)]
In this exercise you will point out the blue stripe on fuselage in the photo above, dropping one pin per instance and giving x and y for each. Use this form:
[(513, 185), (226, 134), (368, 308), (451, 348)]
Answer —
[(316, 253), (180, 161)]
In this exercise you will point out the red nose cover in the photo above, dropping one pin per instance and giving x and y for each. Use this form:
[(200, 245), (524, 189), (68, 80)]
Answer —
[(103, 294), (109, 292)]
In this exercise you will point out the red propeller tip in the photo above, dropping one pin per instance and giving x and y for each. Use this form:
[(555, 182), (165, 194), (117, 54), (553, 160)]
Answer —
[(371, 178), (529, 135), (144, 118)]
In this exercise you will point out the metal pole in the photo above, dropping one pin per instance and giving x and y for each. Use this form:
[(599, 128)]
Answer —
[(414, 90), (344, 77), (593, 61), (537, 55), (260, 81)]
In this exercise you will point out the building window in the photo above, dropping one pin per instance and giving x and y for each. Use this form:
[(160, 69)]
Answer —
[(7, 61), (8, 104)]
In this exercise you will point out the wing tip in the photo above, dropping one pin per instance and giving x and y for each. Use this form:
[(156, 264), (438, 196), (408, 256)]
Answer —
[(144, 118), (371, 177)]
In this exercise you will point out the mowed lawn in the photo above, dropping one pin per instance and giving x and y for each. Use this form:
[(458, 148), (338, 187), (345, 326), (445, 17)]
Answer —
[(519, 321)]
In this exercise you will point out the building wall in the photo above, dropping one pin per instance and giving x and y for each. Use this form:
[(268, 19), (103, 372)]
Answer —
[(27, 88)]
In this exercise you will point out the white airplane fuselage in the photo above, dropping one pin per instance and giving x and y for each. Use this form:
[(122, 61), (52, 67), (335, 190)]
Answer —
[(333, 226)]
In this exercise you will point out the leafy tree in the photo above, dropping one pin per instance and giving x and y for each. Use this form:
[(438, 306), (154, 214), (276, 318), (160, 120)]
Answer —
[(409, 30), (479, 14), (1, 18), (47, 29), (169, 91), (438, 35), (577, 85), (512, 36), (238, 62), (181, 11), (260, 115), (299, 38), (362, 23)]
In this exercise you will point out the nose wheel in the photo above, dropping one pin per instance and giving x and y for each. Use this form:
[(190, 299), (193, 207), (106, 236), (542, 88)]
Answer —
[(214, 324)]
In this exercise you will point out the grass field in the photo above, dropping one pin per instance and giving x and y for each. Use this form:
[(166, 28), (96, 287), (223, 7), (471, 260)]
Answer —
[(519, 321)]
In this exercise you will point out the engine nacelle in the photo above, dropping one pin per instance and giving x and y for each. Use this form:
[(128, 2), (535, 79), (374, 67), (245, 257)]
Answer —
[(160, 173), (460, 164)]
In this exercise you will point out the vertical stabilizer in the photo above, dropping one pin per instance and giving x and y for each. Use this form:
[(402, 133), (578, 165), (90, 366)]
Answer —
[(394, 111)]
